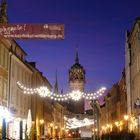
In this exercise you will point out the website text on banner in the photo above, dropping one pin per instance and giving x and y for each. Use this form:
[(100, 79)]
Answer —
[(32, 31)]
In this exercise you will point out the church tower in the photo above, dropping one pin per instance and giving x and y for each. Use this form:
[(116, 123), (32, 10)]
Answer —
[(77, 75), (3, 12), (77, 82)]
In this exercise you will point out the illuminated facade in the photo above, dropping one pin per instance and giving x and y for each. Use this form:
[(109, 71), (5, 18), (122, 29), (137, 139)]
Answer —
[(132, 66), (19, 103), (59, 122), (4, 67), (114, 109), (4, 74), (40, 107)]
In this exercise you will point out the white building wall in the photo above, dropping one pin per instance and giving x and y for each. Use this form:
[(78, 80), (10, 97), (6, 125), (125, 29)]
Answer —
[(18, 100), (127, 72)]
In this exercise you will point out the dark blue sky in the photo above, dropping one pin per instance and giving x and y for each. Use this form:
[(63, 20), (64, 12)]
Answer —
[(96, 27)]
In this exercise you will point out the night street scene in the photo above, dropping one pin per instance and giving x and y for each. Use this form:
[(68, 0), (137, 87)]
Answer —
[(69, 70)]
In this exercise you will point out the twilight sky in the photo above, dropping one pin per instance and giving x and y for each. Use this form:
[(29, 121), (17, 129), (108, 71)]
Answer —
[(96, 27)]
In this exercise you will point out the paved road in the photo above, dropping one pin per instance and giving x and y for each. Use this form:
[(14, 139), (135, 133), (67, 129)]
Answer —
[(77, 139), (70, 139), (73, 139)]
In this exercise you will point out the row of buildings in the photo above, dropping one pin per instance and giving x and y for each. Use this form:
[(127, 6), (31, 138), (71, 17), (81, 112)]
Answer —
[(121, 108), (47, 116), (120, 111)]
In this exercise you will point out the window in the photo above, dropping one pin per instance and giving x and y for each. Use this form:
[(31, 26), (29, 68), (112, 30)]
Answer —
[(17, 97), (21, 99), (23, 77), (5, 58), (12, 95), (26, 102), (2, 54), (0, 87), (13, 69), (5, 90), (17, 72)]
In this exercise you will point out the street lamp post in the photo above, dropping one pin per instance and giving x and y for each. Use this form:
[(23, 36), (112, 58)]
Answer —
[(42, 127), (56, 131), (51, 126), (126, 117)]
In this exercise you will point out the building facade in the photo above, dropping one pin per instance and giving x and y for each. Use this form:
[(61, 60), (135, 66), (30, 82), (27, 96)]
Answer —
[(19, 103), (114, 108), (59, 122), (132, 64), (41, 108), (4, 79), (4, 68)]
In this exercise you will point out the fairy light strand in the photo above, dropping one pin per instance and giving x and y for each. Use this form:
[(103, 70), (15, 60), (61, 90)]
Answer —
[(75, 95)]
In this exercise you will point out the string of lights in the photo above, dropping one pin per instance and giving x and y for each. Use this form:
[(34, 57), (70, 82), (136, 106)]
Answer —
[(75, 95)]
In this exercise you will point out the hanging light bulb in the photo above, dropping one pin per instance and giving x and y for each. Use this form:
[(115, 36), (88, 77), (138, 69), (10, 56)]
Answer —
[(43, 91), (76, 95)]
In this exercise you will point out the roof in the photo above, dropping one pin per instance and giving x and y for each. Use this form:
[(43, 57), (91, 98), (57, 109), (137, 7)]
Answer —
[(77, 66), (137, 20), (19, 47)]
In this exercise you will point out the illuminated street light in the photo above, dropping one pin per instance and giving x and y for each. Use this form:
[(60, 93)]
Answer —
[(51, 124), (103, 127), (67, 130), (79, 131), (126, 117), (56, 133), (41, 121), (117, 124)]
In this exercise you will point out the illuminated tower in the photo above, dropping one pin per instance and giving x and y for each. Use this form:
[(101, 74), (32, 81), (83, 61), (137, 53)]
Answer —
[(3, 12), (77, 82)]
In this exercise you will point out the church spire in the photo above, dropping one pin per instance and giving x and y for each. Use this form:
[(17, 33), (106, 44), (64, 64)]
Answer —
[(56, 84), (3, 1), (77, 58), (3, 12)]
